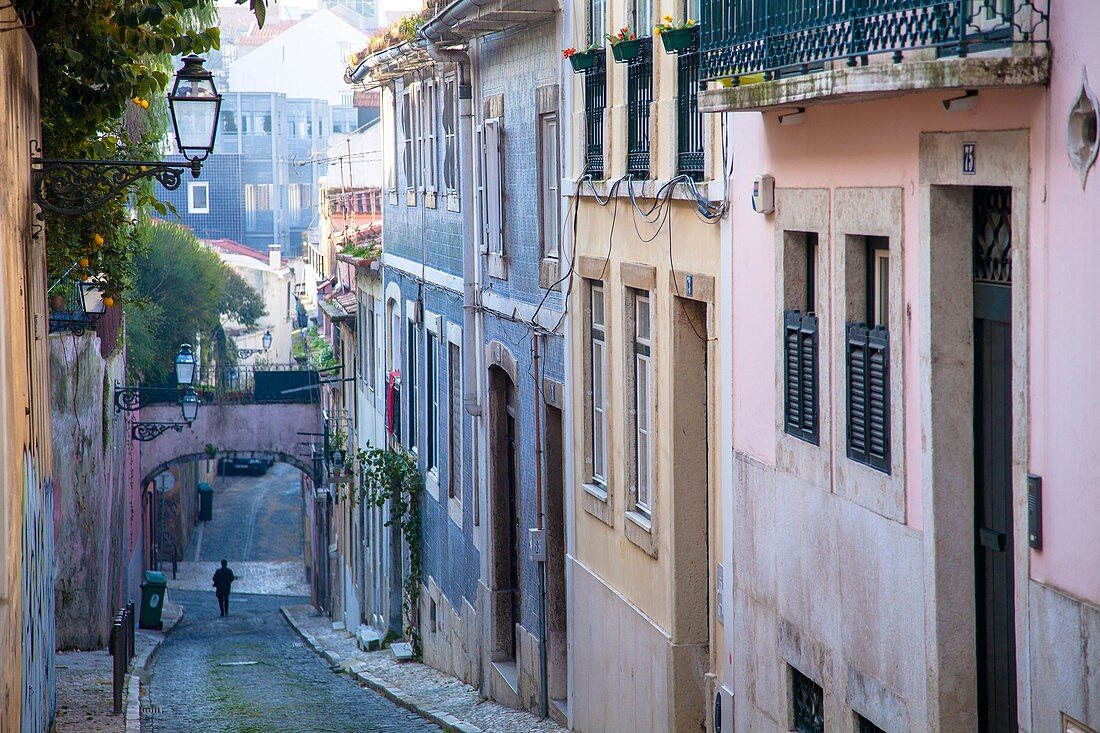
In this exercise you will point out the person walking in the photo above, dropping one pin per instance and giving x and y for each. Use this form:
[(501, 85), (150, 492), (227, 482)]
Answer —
[(223, 580)]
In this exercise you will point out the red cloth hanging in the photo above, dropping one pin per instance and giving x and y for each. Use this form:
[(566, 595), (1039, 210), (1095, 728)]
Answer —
[(393, 380)]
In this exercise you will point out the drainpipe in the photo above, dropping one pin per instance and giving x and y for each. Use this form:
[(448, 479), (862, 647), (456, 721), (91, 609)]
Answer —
[(471, 399), (540, 524)]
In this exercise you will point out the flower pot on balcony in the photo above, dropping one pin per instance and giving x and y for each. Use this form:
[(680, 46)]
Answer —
[(680, 40), (584, 60), (624, 51)]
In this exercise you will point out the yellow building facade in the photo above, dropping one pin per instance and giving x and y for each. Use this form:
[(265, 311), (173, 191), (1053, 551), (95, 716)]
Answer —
[(646, 215)]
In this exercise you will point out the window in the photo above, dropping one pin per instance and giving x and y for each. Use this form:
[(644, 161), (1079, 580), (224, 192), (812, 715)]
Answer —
[(800, 336), (257, 196), (366, 341), (597, 22), (228, 121), (867, 351), (690, 156), (493, 192), (549, 181), (431, 385), (388, 123), (266, 123), (343, 52), (641, 12), (294, 199), (427, 135), (450, 136), (198, 197), (807, 704), (246, 124), (407, 137), (454, 421), (597, 387), (639, 95), (643, 402), (410, 387), (595, 100), (866, 726)]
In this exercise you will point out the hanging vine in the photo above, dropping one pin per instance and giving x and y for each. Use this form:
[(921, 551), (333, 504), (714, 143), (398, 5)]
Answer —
[(391, 478)]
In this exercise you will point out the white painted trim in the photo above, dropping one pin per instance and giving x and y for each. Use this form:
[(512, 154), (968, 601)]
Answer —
[(422, 272), (433, 322), (454, 334), (393, 293)]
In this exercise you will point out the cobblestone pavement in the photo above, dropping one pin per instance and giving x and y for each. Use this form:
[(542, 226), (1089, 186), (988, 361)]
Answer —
[(250, 673), (280, 578), (254, 518), (458, 706), (84, 693)]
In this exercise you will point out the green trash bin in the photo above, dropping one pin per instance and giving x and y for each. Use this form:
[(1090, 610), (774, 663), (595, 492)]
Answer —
[(152, 599), (206, 501)]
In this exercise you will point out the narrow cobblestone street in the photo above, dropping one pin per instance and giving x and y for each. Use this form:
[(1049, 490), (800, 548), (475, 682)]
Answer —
[(249, 672)]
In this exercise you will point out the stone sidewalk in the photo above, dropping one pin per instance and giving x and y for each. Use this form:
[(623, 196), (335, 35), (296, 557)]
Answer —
[(452, 705), (84, 702)]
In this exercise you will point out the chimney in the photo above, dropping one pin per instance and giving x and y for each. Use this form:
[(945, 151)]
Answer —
[(275, 256)]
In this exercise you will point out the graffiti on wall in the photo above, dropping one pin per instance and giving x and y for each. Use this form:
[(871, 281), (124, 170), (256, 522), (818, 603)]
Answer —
[(38, 601)]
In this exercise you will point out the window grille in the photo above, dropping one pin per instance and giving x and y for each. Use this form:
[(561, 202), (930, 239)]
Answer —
[(431, 379), (865, 726), (800, 375), (993, 235), (454, 419), (807, 701), (868, 357), (410, 380), (450, 128), (689, 121), (639, 89), (595, 100)]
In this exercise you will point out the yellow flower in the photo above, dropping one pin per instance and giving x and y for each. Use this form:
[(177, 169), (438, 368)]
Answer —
[(667, 19), (656, 30), (145, 104), (691, 21)]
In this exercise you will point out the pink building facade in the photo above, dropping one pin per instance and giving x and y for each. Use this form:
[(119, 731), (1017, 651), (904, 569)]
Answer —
[(911, 536)]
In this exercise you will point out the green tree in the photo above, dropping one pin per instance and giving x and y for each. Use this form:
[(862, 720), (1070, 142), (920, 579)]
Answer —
[(182, 290)]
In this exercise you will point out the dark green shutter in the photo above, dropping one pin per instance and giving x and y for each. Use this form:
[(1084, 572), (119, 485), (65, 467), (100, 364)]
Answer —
[(800, 375), (868, 356)]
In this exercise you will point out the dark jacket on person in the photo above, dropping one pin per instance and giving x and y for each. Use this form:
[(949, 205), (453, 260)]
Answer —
[(223, 578)]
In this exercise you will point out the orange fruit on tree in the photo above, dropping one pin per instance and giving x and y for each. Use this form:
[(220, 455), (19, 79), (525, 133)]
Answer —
[(83, 261), (97, 239), (109, 302)]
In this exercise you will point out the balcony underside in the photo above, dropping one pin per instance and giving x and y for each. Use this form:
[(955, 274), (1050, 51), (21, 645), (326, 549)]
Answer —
[(844, 83)]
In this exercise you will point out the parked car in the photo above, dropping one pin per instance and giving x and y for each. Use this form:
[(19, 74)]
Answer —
[(243, 465)]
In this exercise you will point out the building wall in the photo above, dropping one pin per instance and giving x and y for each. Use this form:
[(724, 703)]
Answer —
[(276, 286), (221, 172), (1064, 593), (863, 548), (92, 490), (26, 489)]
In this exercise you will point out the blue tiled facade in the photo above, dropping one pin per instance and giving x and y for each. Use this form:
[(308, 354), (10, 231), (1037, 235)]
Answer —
[(516, 66), (263, 175)]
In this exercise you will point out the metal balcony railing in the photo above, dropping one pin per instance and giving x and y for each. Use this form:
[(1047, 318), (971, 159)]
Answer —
[(595, 100), (690, 158), (781, 37), (639, 95)]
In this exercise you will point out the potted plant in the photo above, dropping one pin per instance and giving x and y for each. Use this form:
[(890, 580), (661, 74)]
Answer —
[(677, 35), (582, 60), (625, 45)]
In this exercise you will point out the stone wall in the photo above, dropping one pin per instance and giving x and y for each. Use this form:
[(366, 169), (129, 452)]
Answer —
[(92, 489)]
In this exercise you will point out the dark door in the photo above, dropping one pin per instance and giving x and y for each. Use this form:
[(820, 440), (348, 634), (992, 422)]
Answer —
[(513, 528), (993, 461)]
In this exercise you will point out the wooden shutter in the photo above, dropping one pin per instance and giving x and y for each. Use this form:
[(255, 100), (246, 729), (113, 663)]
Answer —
[(868, 356), (493, 192), (800, 372)]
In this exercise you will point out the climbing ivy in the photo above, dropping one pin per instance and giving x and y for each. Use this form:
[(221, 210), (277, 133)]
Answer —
[(391, 478)]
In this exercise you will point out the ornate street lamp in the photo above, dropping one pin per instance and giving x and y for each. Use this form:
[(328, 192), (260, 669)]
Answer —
[(190, 404), (248, 353), (194, 103), (185, 366), (77, 187)]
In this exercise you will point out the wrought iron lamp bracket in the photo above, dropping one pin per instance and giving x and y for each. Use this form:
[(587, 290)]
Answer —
[(249, 353), (129, 399), (145, 431), (77, 187)]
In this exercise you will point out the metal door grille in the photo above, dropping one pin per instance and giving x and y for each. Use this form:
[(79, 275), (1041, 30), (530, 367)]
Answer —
[(639, 88), (993, 235), (595, 100), (689, 121), (807, 699)]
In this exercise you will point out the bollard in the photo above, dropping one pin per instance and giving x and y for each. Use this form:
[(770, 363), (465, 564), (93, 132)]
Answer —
[(130, 625), (119, 666)]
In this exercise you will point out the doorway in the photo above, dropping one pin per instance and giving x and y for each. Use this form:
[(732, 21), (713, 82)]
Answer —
[(503, 433), (994, 585), (556, 620)]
